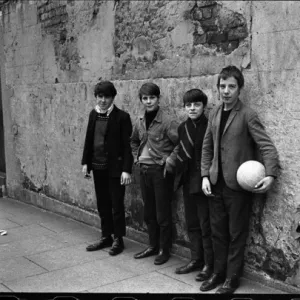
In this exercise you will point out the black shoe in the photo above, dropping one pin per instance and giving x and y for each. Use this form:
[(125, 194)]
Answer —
[(103, 243), (205, 273), (117, 246), (162, 257), (229, 286), (190, 267), (212, 282), (147, 252)]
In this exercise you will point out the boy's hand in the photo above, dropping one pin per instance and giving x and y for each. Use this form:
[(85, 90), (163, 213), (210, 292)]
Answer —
[(206, 188), (125, 178), (168, 168), (263, 185), (84, 169)]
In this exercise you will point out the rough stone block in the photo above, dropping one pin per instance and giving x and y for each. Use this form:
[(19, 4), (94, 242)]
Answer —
[(216, 38), (207, 12), (237, 33), (280, 16), (271, 54)]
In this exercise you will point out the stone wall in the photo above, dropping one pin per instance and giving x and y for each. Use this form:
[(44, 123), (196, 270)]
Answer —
[(53, 52)]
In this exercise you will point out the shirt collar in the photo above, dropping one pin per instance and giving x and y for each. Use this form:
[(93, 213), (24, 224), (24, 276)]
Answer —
[(108, 111)]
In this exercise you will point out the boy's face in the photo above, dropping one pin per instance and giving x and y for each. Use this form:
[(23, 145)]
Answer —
[(229, 91), (104, 101), (194, 109), (150, 102)]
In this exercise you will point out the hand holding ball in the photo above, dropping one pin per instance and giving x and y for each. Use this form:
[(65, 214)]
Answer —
[(249, 174)]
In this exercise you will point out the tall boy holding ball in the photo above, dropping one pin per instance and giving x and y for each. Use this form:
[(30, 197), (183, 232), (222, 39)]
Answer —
[(233, 134)]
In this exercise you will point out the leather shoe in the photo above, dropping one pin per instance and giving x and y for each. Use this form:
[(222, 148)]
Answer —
[(205, 273), (190, 267), (117, 246), (212, 282), (147, 252), (229, 286), (103, 243), (162, 257)]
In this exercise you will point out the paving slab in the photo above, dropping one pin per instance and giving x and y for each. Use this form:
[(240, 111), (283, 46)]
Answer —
[(5, 224), (148, 283), (74, 279), (16, 268), (85, 234), (4, 289), (62, 224), (66, 257), (25, 232), (29, 246)]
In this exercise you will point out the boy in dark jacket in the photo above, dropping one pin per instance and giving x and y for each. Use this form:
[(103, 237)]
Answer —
[(191, 133), (107, 153)]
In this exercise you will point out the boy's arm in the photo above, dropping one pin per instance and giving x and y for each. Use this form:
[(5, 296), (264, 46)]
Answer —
[(172, 133), (86, 147), (207, 150), (135, 142), (126, 133), (265, 145)]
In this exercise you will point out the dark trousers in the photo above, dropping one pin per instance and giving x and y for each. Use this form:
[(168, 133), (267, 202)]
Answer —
[(110, 203), (196, 208), (230, 211), (157, 192)]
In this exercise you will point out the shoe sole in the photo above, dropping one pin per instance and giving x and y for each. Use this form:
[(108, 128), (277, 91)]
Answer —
[(91, 250), (210, 288), (146, 256)]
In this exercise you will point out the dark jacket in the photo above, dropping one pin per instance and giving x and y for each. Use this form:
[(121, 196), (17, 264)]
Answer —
[(243, 135), (191, 170), (116, 142)]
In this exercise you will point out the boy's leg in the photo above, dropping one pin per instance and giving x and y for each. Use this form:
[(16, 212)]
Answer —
[(163, 190), (220, 238), (193, 224), (203, 204), (194, 232), (148, 195), (238, 206), (104, 205), (104, 209), (117, 193)]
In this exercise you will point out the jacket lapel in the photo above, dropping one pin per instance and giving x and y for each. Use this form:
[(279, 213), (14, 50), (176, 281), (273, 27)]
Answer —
[(232, 115), (112, 119)]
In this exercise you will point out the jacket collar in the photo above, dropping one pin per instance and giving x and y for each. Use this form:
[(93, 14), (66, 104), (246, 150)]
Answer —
[(237, 106), (158, 117)]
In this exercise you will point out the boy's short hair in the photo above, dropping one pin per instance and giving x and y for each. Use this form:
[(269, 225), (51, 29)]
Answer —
[(231, 71), (149, 88), (194, 95), (105, 88)]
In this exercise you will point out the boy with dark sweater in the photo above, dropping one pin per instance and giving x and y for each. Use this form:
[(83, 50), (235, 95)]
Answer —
[(107, 153)]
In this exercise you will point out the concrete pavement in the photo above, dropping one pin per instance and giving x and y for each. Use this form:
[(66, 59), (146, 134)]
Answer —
[(45, 252)]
